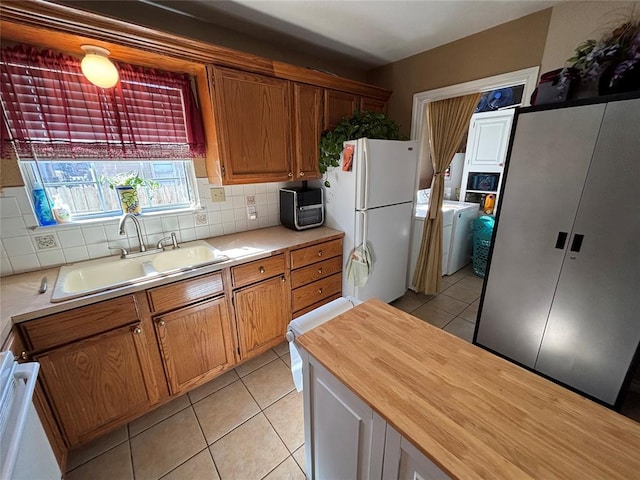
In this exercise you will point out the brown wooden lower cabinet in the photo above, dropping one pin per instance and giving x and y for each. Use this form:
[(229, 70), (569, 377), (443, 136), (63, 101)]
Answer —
[(196, 343), (98, 382), (104, 364), (262, 314)]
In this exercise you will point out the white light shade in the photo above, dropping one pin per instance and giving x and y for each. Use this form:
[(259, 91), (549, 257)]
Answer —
[(98, 68)]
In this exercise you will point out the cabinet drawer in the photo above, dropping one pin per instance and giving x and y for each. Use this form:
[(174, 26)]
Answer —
[(314, 292), (182, 293), (259, 270), (315, 253), (316, 271), (316, 305), (83, 322)]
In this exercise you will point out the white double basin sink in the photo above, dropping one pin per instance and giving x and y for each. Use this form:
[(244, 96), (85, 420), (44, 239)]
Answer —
[(95, 276)]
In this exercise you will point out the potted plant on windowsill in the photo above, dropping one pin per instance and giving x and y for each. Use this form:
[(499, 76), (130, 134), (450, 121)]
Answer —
[(360, 125), (126, 185)]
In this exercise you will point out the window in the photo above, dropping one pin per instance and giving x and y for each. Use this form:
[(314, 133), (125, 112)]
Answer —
[(78, 185), (68, 133)]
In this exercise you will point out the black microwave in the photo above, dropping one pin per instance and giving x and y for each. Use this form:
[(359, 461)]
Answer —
[(301, 207)]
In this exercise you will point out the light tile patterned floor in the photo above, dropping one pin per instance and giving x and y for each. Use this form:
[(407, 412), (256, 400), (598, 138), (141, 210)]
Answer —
[(248, 423)]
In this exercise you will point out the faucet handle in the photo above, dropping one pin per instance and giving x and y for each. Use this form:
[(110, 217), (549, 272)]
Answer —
[(123, 251), (174, 241)]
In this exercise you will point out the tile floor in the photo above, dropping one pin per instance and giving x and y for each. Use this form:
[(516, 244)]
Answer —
[(248, 423)]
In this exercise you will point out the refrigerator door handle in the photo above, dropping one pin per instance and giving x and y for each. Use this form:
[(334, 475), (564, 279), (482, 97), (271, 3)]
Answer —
[(365, 164)]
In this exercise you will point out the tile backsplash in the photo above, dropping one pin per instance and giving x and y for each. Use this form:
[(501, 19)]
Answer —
[(25, 248)]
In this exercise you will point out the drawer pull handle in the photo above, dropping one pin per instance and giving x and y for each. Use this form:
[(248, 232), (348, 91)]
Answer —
[(290, 174), (161, 323), (137, 330), (320, 271), (320, 253), (262, 270), (283, 279), (319, 290)]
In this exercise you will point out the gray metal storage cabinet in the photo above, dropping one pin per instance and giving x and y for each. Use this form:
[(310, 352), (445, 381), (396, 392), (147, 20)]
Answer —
[(562, 291)]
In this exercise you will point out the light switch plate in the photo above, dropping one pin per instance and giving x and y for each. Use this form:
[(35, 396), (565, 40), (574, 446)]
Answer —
[(252, 212), (217, 194)]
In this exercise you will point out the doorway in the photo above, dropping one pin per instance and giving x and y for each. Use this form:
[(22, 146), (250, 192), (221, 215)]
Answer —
[(527, 77)]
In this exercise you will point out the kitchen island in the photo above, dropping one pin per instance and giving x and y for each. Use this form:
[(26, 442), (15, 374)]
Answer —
[(470, 413)]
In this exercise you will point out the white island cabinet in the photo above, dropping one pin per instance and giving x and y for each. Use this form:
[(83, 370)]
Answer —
[(346, 439), (388, 396)]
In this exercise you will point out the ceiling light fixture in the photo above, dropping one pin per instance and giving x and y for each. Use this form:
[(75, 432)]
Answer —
[(97, 67)]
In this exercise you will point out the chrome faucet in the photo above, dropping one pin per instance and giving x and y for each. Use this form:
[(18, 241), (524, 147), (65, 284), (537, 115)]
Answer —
[(136, 223)]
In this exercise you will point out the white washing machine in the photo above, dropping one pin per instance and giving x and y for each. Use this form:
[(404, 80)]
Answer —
[(416, 237), (457, 236), (461, 245)]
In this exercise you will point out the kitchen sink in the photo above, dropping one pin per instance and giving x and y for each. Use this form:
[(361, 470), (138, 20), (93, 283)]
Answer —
[(95, 276), (186, 256)]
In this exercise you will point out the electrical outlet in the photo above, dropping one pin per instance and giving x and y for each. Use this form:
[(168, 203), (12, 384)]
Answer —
[(202, 219), (251, 200), (217, 194), (252, 212), (45, 242)]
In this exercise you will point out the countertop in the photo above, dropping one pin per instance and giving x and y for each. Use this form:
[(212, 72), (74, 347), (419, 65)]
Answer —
[(472, 413), (21, 301)]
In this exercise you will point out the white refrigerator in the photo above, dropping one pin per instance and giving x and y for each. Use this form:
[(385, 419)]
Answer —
[(374, 202)]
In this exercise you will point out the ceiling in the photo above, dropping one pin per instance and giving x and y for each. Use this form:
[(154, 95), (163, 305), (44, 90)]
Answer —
[(371, 33)]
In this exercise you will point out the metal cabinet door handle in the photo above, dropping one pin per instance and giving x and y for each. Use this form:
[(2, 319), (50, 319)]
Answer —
[(561, 240), (576, 245)]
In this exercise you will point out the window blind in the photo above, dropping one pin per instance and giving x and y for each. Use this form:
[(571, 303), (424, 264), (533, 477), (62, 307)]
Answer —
[(52, 111)]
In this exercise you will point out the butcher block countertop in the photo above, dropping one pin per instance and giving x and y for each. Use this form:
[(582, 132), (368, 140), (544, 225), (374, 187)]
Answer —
[(472, 413)]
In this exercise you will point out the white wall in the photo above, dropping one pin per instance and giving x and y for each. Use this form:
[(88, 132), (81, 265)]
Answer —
[(574, 22), (24, 248)]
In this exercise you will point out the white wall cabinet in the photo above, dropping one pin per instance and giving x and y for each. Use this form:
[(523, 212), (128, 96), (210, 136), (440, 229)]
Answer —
[(486, 152), (346, 439)]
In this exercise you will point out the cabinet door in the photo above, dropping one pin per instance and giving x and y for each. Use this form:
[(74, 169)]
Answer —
[(195, 342), (344, 437), (99, 382), (403, 461), (594, 325), (262, 314), (254, 126), (338, 105), (546, 172), (488, 138), (307, 104), (373, 105)]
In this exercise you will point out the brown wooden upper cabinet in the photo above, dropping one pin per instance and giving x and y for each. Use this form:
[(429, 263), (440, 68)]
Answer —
[(373, 105), (253, 120), (338, 105), (268, 128), (307, 103)]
